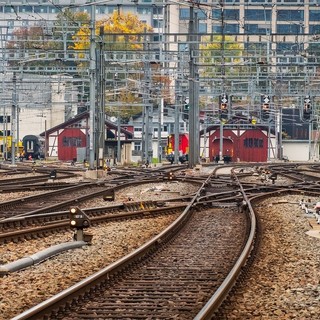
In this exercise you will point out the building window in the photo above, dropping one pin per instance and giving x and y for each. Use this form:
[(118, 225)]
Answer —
[(228, 14), (8, 9), (253, 143), (256, 29), (257, 15), (4, 119), (290, 15), (101, 9), (53, 10), (202, 28), (111, 9), (25, 9), (257, 1), (288, 47), (228, 29), (202, 15), (289, 29), (314, 15), (157, 23), (184, 14), (71, 141), (157, 38), (157, 10), (40, 9), (137, 146), (258, 47), (143, 10), (314, 28)]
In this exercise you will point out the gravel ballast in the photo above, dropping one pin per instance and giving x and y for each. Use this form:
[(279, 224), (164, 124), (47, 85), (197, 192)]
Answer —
[(284, 282), (23, 289)]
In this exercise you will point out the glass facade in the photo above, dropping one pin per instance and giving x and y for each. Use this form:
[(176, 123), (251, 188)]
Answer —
[(289, 29), (290, 15), (257, 15), (228, 29), (228, 14), (256, 29), (314, 15)]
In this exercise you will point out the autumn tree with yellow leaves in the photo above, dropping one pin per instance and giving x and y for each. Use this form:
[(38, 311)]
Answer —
[(122, 32)]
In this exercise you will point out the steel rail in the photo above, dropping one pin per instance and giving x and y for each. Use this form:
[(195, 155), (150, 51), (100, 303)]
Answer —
[(65, 224), (219, 296), (79, 290), (212, 306)]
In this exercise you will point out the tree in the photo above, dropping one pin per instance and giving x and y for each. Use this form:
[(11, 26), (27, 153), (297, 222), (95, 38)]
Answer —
[(220, 55), (44, 45), (67, 24), (120, 33), (220, 58)]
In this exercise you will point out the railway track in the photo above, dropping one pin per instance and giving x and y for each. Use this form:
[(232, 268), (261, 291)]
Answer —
[(185, 259), (35, 226), (75, 194), (132, 286), (13, 176), (51, 201)]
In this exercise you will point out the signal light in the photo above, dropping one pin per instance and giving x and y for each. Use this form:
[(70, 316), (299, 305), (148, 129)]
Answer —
[(170, 176), (265, 111), (307, 111), (223, 106), (307, 108), (223, 111), (78, 219)]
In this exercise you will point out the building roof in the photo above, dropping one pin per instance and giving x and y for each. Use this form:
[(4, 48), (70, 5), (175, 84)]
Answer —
[(85, 115)]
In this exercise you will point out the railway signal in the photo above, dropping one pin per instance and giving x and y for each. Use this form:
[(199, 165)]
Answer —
[(186, 105), (307, 108), (265, 109), (78, 219), (223, 106)]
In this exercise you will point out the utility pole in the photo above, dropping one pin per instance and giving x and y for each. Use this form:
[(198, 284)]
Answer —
[(194, 135), (13, 119), (92, 70), (116, 83), (148, 108), (100, 134), (177, 111), (223, 74), (160, 123)]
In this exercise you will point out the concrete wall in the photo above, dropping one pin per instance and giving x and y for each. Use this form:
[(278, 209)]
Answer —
[(296, 151)]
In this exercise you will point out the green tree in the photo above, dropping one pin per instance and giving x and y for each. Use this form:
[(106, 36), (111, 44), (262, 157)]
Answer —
[(220, 55), (220, 58)]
